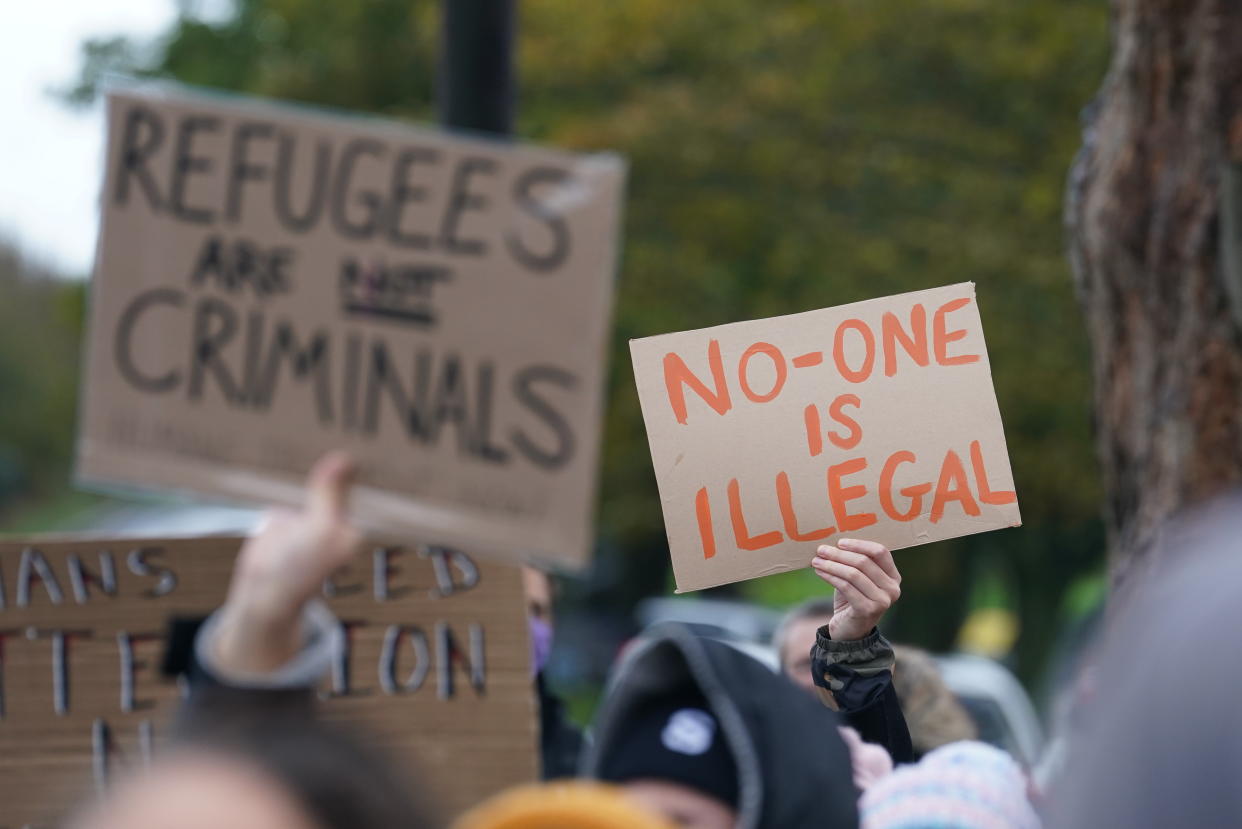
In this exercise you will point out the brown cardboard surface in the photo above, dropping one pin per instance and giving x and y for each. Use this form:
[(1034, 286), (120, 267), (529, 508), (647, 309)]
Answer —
[(272, 282), (771, 437), (463, 744)]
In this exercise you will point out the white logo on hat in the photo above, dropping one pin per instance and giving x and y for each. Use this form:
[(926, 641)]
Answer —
[(689, 731)]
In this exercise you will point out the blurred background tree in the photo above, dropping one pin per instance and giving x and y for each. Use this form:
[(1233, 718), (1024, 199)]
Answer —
[(40, 338), (784, 155), (1155, 216)]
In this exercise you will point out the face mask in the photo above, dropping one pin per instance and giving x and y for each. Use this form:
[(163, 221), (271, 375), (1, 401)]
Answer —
[(540, 643)]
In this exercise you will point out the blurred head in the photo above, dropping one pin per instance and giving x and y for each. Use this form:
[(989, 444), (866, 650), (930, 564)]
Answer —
[(795, 636), (674, 760), (539, 608), (283, 775), (538, 587), (575, 803), (711, 737), (200, 790), (681, 805), (965, 785), (933, 713)]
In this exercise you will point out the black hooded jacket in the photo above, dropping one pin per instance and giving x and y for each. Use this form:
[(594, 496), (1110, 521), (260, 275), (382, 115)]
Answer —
[(794, 769)]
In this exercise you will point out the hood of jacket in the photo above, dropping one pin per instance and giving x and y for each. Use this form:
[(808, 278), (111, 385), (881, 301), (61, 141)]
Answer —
[(793, 767)]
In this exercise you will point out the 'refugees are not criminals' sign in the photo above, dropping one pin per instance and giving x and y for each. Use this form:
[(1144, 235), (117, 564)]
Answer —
[(273, 281)]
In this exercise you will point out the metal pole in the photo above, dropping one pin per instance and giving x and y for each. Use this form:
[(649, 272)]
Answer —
[(476, 77)]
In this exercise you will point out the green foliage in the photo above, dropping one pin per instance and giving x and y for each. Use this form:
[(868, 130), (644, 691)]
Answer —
[(785, 155), (794, 155), (375, 56), (40, 339)]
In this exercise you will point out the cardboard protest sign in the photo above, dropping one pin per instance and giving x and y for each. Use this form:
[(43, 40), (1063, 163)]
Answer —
[(272, 282), (875, 420), (436, 668)]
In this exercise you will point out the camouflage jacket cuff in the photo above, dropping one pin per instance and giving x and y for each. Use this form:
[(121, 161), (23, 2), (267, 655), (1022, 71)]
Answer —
[(868, 656)]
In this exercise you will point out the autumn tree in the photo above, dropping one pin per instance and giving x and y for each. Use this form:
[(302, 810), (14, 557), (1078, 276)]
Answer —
[(784, 155)]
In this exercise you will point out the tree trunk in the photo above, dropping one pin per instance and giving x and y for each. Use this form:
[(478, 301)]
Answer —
[(1152, 215)]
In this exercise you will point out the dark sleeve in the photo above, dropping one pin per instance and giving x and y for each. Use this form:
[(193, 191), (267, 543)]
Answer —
[(216, 707), (560, 742), (859, 677)]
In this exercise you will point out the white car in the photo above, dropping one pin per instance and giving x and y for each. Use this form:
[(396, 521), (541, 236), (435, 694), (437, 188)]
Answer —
[(997, 702)]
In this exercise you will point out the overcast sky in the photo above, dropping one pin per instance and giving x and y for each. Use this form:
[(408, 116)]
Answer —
[(51, 155)]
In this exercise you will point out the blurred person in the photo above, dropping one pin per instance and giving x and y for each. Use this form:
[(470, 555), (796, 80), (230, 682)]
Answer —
[(560, 741), (1156, 739), (561, 805), (199, 791), (795, 634), (692, 729), (711, 738), (834, 648), (935, 716), (540, 615), (965, 785), (246, 752), (281, 773)]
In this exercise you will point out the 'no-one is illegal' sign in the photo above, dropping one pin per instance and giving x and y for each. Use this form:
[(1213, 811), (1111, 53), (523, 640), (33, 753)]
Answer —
[(875, 420)]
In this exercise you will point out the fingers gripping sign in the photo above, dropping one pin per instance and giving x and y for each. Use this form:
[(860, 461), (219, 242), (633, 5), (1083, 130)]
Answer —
[(866, 582)]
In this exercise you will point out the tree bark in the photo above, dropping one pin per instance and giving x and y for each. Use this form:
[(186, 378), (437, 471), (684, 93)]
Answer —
[(1153, 240)]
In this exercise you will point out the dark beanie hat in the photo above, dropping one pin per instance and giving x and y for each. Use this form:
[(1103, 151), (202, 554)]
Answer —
[(675, 739)]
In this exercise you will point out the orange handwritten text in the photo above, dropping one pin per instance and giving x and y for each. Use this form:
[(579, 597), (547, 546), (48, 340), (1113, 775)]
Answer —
[(901, 487), (856, 347)]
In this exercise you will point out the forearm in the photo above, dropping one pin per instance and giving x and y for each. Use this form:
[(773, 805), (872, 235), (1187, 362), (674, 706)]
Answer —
[(253, 643), (882, 722), (857, 676), (270, 643)]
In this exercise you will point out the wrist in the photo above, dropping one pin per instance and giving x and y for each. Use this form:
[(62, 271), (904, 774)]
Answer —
[(256, 638), (239, 657), (850, 632)]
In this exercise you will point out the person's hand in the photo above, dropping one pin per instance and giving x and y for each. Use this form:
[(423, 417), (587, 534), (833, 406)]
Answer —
[(871, 762), (284, 564), (866, 583), (282, 567)]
